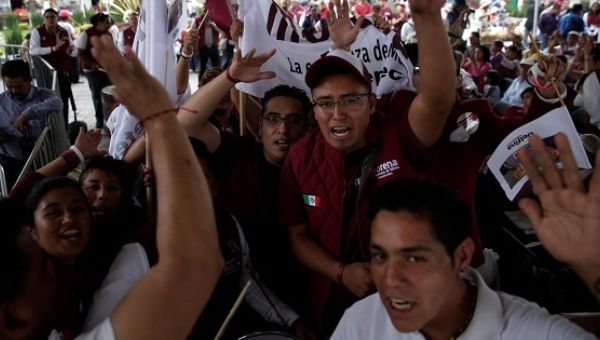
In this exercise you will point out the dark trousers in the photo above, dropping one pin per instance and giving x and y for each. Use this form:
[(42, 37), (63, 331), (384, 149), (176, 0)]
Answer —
[(74, 71), (97, 80), (64, 85), (205, 54)]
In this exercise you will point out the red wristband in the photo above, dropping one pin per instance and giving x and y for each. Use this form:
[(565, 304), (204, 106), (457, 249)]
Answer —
[(340, 272), (231, 79), (71, 158)]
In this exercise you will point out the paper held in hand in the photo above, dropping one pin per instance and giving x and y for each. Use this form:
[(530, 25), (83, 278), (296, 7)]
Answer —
[(504, 163)]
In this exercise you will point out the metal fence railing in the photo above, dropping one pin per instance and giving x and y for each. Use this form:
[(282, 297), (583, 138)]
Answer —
[(58, 133), (3, 186), (40, 155), (45, 75), (53, 141)]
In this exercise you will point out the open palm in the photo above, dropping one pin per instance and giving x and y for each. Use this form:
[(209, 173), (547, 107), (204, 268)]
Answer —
[(247, 68), (341, 29), (566, 219)]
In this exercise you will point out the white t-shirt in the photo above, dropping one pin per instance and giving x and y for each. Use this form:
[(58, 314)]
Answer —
[(131, 264), (590, 95), (104, 331), (497, 316), (126, 269)]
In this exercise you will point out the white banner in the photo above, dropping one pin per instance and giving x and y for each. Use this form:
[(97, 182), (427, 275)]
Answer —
[(153, 44), (504, 163), (267, 27)]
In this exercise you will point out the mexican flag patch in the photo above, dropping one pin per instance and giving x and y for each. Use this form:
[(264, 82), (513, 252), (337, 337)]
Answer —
[(312, 200)]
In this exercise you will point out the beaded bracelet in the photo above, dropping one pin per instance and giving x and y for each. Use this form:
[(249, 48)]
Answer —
[(231, 79), (160, 113)]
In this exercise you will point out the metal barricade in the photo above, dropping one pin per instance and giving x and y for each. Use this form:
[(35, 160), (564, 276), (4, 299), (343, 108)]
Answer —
[(58, 133), (3, 186), (51, 143), (40, 155), (44, 74)]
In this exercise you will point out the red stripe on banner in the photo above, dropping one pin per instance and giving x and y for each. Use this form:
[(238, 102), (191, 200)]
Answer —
[(272, 15), (283, 25), (295, 37), (219, 13)]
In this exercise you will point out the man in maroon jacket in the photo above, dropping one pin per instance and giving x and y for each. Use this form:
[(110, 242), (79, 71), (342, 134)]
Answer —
[(54, 44), (128, 35), (96, 77), (328, 176)]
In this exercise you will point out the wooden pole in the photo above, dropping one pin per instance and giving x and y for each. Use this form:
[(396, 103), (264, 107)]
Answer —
[(234, 309), (562, 102)]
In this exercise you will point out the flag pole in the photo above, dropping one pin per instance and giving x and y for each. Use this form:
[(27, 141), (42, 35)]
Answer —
[(562, 102), (234, 309)]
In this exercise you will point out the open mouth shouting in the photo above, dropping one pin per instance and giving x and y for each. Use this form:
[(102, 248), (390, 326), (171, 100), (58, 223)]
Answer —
[(340, 132)]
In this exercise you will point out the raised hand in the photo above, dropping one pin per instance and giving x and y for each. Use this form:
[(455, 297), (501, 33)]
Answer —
[(190, 41), (382, 24), (247, 68), (341, 29), (135, 87), (88, 143), (566, 219), (426, 7), (236, 30)]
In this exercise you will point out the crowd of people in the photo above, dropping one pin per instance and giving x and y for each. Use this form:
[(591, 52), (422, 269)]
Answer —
[(351, 216)]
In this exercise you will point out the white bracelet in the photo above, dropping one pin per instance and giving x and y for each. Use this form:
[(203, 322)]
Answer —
[(563, 95), (78, 153), (185, 55)]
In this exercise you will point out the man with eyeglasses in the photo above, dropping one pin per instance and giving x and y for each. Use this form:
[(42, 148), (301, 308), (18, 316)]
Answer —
[(248, 171), (23, 112), (328, 177), (55, 45)]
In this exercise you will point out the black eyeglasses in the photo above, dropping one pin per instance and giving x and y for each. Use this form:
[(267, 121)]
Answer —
[(293, 120), (348, 102)]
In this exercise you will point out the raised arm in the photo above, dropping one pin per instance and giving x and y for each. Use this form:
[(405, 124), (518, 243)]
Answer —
[(205, 100), (566, 219), (182, 71), (430, 108), (166, 301)]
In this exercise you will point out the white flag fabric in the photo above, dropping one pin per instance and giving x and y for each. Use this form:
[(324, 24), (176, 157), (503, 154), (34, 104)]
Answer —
[(157, 31), (267, 27)]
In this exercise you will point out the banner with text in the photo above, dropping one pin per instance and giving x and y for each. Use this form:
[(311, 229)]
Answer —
[(267, 27)]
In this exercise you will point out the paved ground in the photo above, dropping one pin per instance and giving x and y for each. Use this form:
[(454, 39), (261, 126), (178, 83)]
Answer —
[(85, 107)]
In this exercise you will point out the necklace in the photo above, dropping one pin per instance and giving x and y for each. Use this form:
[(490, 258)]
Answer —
[(473, 292)]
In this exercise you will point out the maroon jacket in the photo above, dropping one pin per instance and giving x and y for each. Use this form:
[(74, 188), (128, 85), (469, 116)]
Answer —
[(59, 59), (201, 32), (128, 36), (330, 192)]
